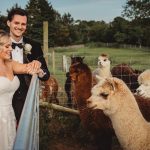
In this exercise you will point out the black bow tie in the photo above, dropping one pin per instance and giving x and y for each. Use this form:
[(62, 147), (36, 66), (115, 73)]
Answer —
[(17, 44)]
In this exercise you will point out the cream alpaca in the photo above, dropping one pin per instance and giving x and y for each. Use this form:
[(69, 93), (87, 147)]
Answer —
[(118, 103), (103, 69), (144, 81), (144, 77)]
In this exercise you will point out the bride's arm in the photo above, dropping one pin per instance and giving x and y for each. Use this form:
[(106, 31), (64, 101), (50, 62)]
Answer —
[(30, 68)]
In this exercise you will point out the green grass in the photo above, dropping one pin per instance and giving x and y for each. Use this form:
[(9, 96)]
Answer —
[(136, 58)]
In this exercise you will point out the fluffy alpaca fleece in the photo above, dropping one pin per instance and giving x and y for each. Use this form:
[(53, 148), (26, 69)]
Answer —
[(103, 69), (144, 77), (49, 90), (144, 82), (143, 90), (116, 100), (127, 74)]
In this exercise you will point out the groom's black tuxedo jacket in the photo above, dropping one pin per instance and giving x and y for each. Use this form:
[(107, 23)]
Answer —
[(20, 95)]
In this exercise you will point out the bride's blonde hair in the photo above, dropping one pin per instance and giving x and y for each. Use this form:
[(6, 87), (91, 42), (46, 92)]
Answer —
[(3, 36)]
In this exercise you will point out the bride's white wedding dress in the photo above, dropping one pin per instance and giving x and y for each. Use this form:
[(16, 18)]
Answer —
[(7, 116)]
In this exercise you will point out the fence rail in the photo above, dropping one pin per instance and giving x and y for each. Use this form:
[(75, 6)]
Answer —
[(27, 137)]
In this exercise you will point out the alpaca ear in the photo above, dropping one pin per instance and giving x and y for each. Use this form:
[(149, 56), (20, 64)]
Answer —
[(82, 57), (114, 83), (117, 83), (140, 80), (111, 83)]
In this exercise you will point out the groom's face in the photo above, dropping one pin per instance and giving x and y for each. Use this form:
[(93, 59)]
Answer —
[(17, 26)]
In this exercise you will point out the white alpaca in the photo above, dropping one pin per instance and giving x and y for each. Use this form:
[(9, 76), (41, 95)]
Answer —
[(144, 77), (118, 103), (143, 90), (144, 81), (103, 69)]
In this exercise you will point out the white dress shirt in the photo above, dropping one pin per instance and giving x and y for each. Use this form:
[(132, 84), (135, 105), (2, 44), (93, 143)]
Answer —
[(17, 53)]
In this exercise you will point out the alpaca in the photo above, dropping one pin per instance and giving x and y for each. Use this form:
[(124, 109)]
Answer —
[(67, 88), (127, 74), (93, 120), (117, 101), (144, 77), (143, 90), (50, 90), (144, 82), (144, 105), (68, 84), (103, 69)]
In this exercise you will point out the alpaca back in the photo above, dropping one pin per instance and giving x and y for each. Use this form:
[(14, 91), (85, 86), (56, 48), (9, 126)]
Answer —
[(127, 74)]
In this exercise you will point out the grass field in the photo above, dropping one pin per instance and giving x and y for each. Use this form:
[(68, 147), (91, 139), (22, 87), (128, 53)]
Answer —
[(136, 58)]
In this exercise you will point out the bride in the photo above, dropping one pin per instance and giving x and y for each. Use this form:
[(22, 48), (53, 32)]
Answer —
[(8, 85)]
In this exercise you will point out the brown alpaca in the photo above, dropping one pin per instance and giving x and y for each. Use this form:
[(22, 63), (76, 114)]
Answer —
[(144, 105), (127, 74), (93, 120), (50, 90), (69, 89)]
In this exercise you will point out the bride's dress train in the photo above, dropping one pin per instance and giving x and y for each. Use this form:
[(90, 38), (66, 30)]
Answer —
[(7, 116)]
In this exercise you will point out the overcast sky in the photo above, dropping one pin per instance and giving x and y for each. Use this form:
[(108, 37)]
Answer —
[(105, 10)]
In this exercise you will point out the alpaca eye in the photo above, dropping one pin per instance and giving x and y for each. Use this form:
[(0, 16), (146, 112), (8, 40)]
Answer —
[(105, 59), (104, 94)]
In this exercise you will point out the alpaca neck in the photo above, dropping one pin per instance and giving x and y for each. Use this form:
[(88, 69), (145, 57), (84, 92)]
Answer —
[(83, 92), (129, 123), (105, 72)]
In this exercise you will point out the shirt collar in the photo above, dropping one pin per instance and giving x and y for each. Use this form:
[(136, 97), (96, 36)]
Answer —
[(21, 40)]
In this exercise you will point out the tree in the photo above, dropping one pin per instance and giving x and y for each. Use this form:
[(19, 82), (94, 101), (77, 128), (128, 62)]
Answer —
[(39, 11), (137, 9), (120, 37), (3, 22)]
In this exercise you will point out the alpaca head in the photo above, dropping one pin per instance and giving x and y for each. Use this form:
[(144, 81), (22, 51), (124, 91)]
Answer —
[(143, 90), (144, 77), (76, 59), (103, 61), (80, 72), (106, 95)]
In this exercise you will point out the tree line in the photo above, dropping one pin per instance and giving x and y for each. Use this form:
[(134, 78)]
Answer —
[(133, 27)]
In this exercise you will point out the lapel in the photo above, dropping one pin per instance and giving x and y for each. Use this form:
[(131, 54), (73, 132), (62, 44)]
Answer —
[(26, 60), (25, 56)]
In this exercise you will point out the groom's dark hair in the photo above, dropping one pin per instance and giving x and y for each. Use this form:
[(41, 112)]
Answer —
[(16, 11)]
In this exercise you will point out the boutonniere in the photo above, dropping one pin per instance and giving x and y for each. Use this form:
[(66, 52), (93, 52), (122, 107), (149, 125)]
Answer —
[(27, 48)]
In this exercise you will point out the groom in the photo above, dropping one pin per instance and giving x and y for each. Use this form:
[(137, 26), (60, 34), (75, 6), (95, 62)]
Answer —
[(24, 50)]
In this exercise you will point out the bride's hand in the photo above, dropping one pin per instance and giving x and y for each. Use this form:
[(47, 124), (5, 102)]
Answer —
[(33, 67)]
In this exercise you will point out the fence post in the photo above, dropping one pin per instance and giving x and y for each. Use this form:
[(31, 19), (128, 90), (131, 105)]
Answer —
[(65, 63), (45, 39), (53, 60)]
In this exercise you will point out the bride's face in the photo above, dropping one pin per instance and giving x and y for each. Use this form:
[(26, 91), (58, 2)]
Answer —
[(5, 48)]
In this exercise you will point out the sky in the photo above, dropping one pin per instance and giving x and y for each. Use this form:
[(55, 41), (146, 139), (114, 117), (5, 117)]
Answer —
[(97, 10)]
